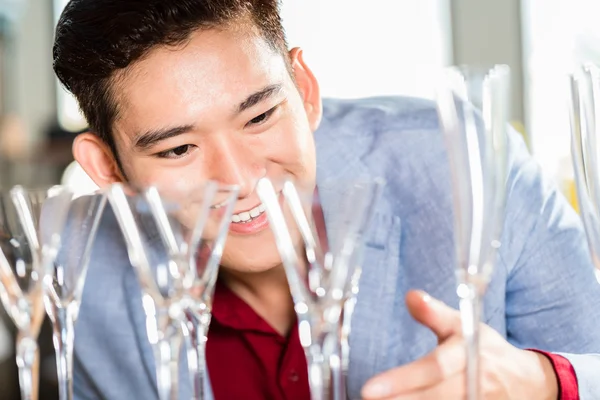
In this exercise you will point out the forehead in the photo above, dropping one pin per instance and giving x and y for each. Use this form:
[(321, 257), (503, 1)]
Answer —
[(209, 74)]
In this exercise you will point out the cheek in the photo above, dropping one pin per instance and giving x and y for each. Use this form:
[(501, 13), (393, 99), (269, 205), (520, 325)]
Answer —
[(174, 181), (292, 145)]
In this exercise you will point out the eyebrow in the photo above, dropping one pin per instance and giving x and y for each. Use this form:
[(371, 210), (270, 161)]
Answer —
[(259, 96), (150, 138)]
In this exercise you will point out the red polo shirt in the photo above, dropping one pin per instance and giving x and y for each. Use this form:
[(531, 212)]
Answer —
[(247, 359)]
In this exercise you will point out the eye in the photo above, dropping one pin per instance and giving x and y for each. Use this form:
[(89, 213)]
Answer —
[(262, 118), (181, 150), (177, 152)]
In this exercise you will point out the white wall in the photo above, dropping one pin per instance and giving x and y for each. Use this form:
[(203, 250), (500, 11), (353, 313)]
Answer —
[(378, 47), (560, 34)]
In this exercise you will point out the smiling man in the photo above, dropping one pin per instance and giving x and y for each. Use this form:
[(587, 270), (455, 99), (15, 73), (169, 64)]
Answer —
[(180, 91)]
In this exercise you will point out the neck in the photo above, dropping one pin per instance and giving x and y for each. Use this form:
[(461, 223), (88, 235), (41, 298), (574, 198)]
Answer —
[(268, 293)]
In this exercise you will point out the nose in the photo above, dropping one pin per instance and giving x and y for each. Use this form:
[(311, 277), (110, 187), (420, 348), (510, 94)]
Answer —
[(233, 164)]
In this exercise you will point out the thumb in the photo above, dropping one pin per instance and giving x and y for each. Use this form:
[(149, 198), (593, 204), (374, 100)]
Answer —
[(443, 320)]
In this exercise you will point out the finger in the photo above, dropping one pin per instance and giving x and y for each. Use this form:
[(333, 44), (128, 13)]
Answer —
[(444, 321), (450, 389), (445, 361)]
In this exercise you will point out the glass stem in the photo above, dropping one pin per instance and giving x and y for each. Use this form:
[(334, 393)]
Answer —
[(338, 381), (470, 310), (63, 338), (166, 354), (28, 364), (197, 327), (318, 374), (347, 313)]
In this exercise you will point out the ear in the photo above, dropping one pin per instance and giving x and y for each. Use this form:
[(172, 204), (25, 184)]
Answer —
[(309, 88), (96, 159)]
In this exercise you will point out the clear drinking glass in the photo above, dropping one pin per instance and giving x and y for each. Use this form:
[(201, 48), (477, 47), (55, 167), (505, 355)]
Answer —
[(206, 248), (21, 274), (584, 108), (321, 267), (473, 112), (68, 227), (175, 240), (44, 237)]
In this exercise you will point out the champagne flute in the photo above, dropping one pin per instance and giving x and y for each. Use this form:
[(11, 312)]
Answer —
[(584, 110), (205, 250), (166, 231), (21, 274), (473, 107), (68, 229), (321, 273)]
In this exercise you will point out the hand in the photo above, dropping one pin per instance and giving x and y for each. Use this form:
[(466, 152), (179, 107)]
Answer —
[(506, 371)]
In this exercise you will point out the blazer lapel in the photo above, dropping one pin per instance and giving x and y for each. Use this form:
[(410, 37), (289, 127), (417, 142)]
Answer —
[(369, 337)]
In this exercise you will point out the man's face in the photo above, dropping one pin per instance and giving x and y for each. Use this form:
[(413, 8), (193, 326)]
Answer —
[(222, 107)]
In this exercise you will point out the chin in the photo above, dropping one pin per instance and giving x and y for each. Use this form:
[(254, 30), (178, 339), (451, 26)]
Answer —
[(257, 266), (252, 258)]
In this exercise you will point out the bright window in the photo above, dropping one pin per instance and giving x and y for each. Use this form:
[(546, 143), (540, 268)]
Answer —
[(379, 47), (559, 36)]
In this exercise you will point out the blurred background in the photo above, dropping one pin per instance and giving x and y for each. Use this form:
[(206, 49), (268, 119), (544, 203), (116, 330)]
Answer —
[(390, 47)]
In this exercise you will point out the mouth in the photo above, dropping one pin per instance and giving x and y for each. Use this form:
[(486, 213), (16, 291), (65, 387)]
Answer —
[(248, 216)]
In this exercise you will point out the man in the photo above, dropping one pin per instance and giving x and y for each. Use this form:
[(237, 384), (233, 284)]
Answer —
[(180, 91)]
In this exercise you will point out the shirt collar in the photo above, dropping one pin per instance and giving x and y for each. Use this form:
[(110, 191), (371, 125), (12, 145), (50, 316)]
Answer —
[(230, 311)]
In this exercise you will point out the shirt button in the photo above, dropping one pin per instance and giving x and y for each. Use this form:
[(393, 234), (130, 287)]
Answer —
[(294, 377)]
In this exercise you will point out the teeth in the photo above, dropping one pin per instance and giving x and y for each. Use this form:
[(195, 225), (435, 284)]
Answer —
[(245, 216), (248, 216)]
